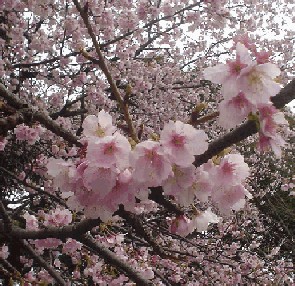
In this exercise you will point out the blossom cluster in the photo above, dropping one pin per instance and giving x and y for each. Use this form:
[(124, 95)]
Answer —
[(26, 133), (247, 88), (226, 191), (111, 172), (3, 142)]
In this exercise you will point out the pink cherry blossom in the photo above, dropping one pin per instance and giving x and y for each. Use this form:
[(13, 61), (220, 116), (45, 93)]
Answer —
[(47, 243), (228, 74), (31, 221), (182, 226), (100, 125), (258, 84), (180, 184), (151, 165), (4, 252), (123, 192), (203, 186), (148, 273), (99, 180), (26, 133), (71, 246), (109, 151), (246, 41), (274, 143), (58, 217), (232, 112), (64, 174), (182, 141), (262, 57), (230, 198), (203, 220), (3, 142), (231, 171), (179, 180), (270, 119), (142, 61)]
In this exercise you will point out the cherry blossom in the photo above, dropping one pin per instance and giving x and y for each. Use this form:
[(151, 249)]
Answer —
[(58, 217), (232, 112), (181, 226), (3, 142), (25, 133), (179, 180), (179, 141), (4, 252), (115, 167), (229, 74), (258, 84), (31, 221), (109, 151), (231, 171), (151, 165), (99, 180), (203, 220), (99, 126)]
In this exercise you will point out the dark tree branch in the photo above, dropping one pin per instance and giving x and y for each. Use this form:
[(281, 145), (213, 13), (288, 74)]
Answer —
[(9, 122), (43, 263), (286, 95), (157, 196), (56, 232), (68, 113), (112, 259), (103, 66), (140, 230)]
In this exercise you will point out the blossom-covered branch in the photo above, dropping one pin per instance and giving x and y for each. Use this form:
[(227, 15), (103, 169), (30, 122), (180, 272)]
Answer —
[(286, 95), (106, 71), (31, 114)]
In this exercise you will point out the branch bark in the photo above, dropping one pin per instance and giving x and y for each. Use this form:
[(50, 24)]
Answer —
[(103, 66), (56, 232)]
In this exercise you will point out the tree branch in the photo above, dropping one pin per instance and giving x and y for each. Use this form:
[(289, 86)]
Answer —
[(286, 95), (103, 66), (136, 223), (43, 263), (38, 190), (31, 114), (112, 259), (56, 232)]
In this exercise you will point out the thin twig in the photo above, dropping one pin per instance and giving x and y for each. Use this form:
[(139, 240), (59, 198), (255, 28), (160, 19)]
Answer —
[(38, 190), (43, 263), (103, 66)]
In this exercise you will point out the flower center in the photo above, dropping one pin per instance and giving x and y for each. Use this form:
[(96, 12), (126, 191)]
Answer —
[(178, 140), (109, 149)]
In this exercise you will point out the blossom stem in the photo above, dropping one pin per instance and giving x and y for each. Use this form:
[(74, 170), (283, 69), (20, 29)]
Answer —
[(103, 66)]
